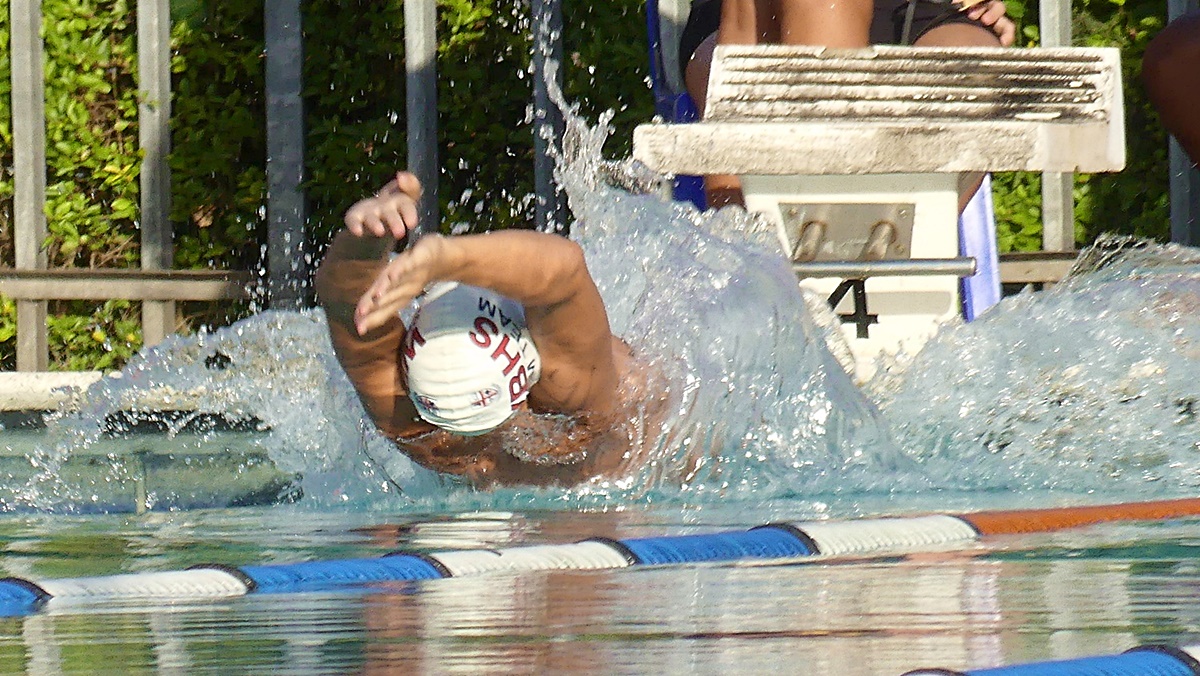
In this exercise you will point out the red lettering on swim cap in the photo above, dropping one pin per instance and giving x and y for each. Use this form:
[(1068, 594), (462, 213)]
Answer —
[(518, 386), (414, 336), (513, 359), (484, 330)]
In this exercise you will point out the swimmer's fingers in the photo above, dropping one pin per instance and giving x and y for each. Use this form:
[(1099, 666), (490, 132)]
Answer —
[(392, 211), (405, 183), (396, 221), (395, 287), (382, 216), (356, 217), (402, 280), (375, 316), (408, 184), (400, 199), (381, 302)]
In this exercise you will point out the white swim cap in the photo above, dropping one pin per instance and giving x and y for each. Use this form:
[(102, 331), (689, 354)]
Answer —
[(468, 358)]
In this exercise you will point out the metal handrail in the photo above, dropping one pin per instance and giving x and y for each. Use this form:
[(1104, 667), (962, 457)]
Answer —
[(959, 267)]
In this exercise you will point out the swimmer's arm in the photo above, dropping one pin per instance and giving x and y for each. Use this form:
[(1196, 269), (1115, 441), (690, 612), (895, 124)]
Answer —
[(547, 274), (369, 360), (566, 315)]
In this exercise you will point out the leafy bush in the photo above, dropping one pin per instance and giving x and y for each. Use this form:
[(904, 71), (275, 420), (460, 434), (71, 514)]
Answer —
[(1135, 201), (93, 162), (355, 133)]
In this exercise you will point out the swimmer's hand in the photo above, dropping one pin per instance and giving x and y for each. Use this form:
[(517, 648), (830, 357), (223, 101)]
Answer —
[(392, 212), (402, 280)]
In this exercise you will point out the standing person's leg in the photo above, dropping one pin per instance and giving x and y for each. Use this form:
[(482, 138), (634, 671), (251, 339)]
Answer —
[(719, 189), (959, 34), (743, 22), (1171, 73), (749, 22), (831, 23)]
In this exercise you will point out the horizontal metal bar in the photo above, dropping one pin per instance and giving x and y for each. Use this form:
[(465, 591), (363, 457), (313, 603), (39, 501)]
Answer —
[(127, 284), (959, 267)]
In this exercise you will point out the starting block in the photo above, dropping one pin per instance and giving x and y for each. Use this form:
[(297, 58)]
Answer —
[(856, 157)]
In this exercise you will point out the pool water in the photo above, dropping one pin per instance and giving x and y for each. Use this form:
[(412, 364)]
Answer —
[(1084, 394), (1006, 600)]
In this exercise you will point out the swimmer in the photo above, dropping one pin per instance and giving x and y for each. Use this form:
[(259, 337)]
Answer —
[(508, 372)]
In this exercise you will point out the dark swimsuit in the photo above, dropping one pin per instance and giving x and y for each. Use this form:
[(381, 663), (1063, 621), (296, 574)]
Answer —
[(887, 26)]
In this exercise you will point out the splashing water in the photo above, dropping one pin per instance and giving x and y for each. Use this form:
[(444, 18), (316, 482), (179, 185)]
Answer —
[(274, 371), (759, 400), (759, 407), (1086, 387), (1083, 388)]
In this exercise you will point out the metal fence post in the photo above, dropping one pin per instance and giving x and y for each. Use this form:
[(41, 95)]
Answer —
[(154, 135), (287, 265), (420, 65), (1185, 178), (548, 126), (1058, 194), (29, 159)]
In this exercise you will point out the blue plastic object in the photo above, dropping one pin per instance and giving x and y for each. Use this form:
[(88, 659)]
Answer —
[(671, 106), (1133, 663), (977, 239), (758, 543), (325, 574), (18, 597)]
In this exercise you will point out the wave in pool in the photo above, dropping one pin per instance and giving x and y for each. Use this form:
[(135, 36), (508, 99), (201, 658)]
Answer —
[(1088, 386), (1081, 389)]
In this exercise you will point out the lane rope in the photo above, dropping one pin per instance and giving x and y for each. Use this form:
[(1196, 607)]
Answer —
[(771, 541), (1149, 660)]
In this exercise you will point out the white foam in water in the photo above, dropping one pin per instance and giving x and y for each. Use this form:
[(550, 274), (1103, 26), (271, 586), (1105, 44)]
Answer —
[(759, 407), (760, 404), (1089, 386), (1086, 387), (275, 368)]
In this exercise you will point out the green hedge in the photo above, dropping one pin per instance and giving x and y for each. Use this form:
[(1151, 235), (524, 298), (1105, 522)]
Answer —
[(354, 98), (1135, 201)]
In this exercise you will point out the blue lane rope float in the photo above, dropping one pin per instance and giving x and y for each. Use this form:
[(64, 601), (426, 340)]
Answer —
[(759, 543), (313, 575), (1150, 660), (772, 541), (18, 596)]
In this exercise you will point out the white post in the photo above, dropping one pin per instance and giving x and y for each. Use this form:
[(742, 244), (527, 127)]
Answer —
[(29, 157)]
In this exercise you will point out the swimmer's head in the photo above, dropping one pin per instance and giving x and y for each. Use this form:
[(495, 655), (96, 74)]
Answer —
[(468, 359)]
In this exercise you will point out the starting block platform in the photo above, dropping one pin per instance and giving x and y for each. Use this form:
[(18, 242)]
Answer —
[(856, 156)]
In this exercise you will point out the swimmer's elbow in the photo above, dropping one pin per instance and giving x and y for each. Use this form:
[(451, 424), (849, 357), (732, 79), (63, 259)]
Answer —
[(572, 273)]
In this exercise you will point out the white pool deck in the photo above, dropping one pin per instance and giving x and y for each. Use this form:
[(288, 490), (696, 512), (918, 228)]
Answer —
[(60, 390), (43, 390)]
